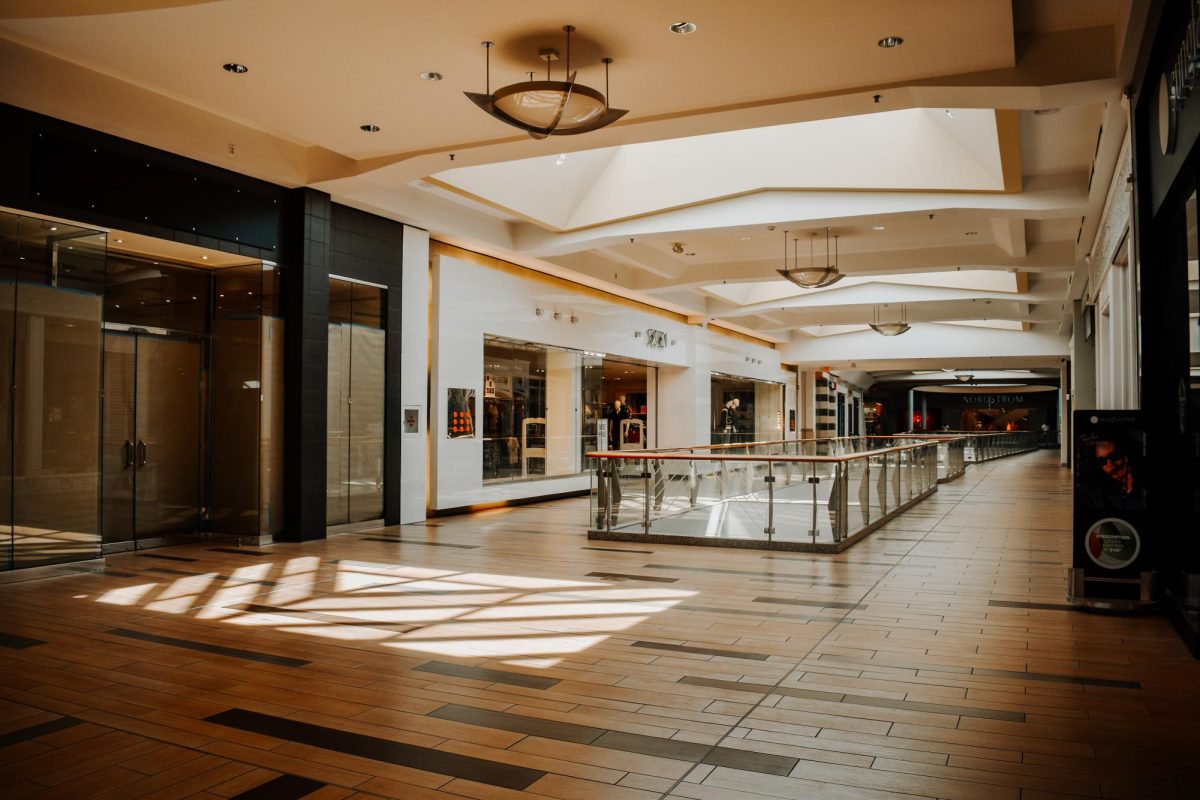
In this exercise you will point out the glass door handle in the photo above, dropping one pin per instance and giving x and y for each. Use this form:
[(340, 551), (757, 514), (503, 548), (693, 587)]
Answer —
[(141, 453), (128, 448)]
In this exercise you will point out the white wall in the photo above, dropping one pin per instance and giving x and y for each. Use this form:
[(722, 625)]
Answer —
[(414, 369), (471, 300)]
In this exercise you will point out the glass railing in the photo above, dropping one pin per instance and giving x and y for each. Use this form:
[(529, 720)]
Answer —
[(812, 494), (806, 494)]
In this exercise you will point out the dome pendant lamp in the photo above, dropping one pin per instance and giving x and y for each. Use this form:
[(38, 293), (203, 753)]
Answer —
[(891, 328), (812, 276), (549, 107)]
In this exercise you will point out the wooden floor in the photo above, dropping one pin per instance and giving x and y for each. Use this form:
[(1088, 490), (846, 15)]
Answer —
[(501, 655)]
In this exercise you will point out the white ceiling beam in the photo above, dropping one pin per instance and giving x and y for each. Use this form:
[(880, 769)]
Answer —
[(1009, 233)]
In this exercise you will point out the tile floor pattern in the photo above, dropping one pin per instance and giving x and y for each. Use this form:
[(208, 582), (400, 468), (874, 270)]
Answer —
[(501, 655)]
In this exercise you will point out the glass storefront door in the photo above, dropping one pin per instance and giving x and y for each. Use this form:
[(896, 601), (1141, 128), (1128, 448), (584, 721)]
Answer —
[(354, 443), (152, 437)]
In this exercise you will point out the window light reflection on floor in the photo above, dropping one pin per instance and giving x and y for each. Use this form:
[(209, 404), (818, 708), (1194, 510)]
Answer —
[(522, 619)]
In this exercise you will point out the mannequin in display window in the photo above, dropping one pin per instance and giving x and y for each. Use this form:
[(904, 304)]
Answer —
[(619, 412), (727, 426)]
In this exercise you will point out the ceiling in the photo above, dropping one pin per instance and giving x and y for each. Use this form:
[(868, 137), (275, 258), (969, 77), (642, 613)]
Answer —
[(963, 172)]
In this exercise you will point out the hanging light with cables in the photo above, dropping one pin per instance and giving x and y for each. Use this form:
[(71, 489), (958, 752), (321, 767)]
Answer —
[(812, 276)]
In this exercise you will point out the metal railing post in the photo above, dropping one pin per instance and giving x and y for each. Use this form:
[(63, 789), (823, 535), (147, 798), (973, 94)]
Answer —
[(770, 479), (645, 496)]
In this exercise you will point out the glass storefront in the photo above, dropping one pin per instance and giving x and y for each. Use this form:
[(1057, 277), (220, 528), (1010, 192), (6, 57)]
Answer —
[(51, 285), (545, 408), (123, 374), (354, 443), (746, 410)]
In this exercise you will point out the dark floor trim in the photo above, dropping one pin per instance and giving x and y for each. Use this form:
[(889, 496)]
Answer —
[(216, 649), (624, 576), (1036, 606), (284, 787), (398, 540), (783, 601), (617, 550), (34, 731), (428, 759), (702, 651), (15, 642), (163, 557), (489, 675), (241, 552)]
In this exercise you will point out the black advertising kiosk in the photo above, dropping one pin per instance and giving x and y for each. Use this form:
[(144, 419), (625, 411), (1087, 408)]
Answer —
[(1113, 551)]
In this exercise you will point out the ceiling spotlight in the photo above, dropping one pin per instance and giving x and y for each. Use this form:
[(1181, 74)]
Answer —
[(677, 248), (745, 238), (431, 76), (236, 69), (562, 159), (1045, 112), (890, 41), (812, 276), (879, 228), (949, 113), (369, 128), (549, 107), (894, 328), (683, 27), (964, 377)]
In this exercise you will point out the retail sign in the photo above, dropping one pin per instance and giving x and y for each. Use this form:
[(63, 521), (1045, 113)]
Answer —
[(1176, 84), (992, 400), (1111, 502), (656, 338)]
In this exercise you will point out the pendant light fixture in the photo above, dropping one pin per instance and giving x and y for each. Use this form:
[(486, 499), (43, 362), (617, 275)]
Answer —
[(891, 328), (812, 276), (549, 107)]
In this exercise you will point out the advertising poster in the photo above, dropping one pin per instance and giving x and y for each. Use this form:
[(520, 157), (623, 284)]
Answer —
[(1110, 494), (460, 413)]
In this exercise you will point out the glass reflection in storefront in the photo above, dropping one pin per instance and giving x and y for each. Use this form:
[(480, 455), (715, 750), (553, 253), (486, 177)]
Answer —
[(746, 410), (354, 449), (545, 408), (51, 283)]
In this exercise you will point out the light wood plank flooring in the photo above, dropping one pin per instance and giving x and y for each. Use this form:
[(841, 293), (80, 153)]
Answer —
[(502, 655)]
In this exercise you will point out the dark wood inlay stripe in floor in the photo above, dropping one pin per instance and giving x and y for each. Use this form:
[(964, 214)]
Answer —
[(119, 574), (398, 540), (241, 552), (703, 651), (284, 787), (165, 557), (751, 613), (533, 726), (34, 731), (617, 550), (856, 699), (469, 768), (618, 740), (1046, 676), (734, 572), (16, 642), (810, 603), (490, 675), (623, 576), (216, 649), (748, 760), (1038, 606)]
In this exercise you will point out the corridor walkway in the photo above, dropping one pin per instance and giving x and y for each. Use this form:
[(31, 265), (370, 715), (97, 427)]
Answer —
[(502, 655)]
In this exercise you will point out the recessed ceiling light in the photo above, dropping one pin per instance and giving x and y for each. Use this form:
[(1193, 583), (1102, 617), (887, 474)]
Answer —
[(890, 41), (369, 128), (53, 227), (120, 241), (1044, 112), (878, 228), (205, 258), (745, 238), (972, 233), (683, 27), (562, 159), (431, 76), (236, 69), (949, 113)]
